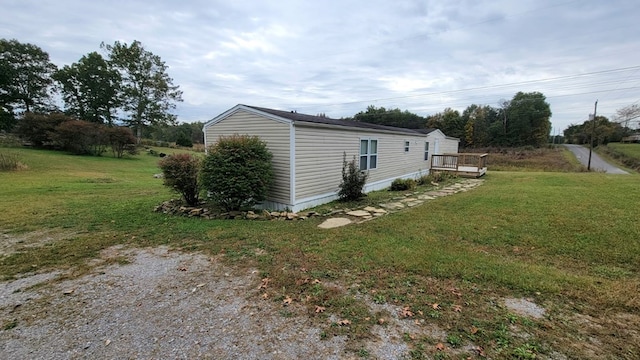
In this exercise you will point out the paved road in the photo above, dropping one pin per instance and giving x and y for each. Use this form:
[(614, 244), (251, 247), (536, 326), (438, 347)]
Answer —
[(597, 164)]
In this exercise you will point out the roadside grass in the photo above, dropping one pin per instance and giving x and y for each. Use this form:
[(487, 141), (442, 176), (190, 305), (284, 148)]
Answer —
[(569, 241), (627, 155), (551, 158)]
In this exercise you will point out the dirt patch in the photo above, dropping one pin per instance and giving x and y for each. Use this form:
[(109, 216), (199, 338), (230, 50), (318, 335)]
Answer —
[(11, 243), (525, 307), (167, 304)]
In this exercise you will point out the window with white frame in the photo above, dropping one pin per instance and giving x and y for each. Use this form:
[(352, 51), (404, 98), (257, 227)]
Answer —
[(368, 154), (426, 150), (406, 146)]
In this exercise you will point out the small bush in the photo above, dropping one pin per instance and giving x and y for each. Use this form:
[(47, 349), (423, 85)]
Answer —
[(121, 140), (9, 162), (403, 184), (181, 174), (353, 180), (237, 171), (81, 137), (184, 140)]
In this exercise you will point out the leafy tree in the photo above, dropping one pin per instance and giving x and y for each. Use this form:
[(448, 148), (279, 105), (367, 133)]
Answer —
[(528, 119), (90, 89), (449, 121), (604, 132), (25, 83), (390, 117), (237, 171), (148, 93), (353, 180), (181, 174)]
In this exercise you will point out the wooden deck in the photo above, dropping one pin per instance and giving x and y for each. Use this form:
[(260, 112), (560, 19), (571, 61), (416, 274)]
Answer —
[(462, 164)]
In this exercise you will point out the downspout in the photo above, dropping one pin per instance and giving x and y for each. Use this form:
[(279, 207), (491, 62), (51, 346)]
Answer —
[(292, 164)]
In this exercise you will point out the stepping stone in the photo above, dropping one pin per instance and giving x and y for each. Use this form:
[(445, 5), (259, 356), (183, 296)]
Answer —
[(369, 209), (379, 211), (414, 203), (334, 222), (425, 197), (393, 206), (359, 213), (407, 200)]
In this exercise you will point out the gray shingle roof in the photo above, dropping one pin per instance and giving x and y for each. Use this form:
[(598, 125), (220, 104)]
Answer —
[(295, 116)]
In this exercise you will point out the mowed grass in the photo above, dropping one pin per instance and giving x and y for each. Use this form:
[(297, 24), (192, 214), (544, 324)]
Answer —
[(631, 150), (569, 241)]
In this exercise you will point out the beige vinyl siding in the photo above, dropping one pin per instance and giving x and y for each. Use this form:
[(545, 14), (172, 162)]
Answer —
[(275, 134), (319, 157), (448, 146)]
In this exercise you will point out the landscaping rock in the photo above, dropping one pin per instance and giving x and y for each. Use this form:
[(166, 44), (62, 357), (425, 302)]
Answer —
[(359, 213), (334, 222)]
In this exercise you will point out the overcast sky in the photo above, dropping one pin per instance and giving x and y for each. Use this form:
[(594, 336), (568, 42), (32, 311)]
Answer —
[(339, 56)]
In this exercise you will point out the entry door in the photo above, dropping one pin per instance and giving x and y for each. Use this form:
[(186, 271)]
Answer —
[(436, 146)]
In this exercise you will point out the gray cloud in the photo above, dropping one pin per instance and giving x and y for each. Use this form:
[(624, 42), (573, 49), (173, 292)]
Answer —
[(337, 57)]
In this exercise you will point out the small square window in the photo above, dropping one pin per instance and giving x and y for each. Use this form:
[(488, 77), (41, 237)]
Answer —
[(406, 146)]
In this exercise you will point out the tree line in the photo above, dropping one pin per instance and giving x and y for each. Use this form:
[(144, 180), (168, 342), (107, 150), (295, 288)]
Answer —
[(129, 85), (523, 120)]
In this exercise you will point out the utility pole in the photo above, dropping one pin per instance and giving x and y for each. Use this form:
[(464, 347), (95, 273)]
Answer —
[(593, 131)]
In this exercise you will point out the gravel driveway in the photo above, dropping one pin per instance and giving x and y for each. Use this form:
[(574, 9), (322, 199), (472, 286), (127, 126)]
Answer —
[(597, 163), (171, 305)]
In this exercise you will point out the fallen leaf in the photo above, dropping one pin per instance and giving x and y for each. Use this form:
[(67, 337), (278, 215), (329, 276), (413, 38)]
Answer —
[(320, 309), (474, 330), (435, 306), (420, 312), (302, 281), (344, 322), (68, 291), (440, 347), (316, 281), (265, 296), (182, 268), (406, 312), (287, 300), (264, 284), (381, 321), (200, 285), (480, 351), (457, 308), (456, 292), (412, 337), (107, 342)]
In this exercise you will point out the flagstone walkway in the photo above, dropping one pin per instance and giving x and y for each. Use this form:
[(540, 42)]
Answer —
[(398, 203)]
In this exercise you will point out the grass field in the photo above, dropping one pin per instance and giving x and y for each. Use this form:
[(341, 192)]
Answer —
[(569, 241), (631, 150)]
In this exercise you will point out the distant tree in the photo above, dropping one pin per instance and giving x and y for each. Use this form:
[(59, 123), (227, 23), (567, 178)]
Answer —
[(604, 132), (25, 83), (449, 122), (90, 89), (528, 121), (628, 115), (148, 93), (390, 117)]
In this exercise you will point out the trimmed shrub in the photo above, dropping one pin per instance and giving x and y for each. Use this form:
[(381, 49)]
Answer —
[(81, 137), (353, 180), (121, 140), (403, 184), (184, 140), (181, 174), (237, 171)]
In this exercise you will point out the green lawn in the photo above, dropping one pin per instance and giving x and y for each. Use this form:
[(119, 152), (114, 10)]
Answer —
[(631, 150), (570, 241)]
